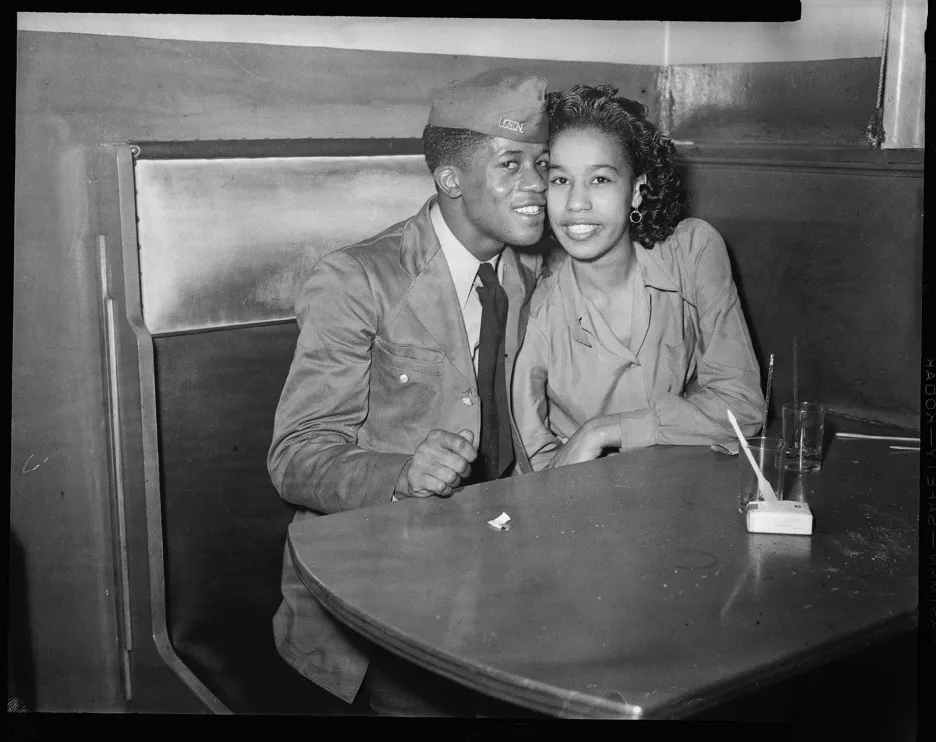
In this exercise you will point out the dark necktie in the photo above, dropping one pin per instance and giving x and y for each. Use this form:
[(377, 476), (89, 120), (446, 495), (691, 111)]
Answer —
[(495, 451)]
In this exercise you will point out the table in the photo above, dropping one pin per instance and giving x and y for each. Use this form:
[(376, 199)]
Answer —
[(628, 586)]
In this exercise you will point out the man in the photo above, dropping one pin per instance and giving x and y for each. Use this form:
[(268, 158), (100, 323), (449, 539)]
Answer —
[(399, 384)]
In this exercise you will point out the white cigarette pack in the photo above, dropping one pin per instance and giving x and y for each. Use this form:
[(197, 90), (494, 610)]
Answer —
[(780, 516)]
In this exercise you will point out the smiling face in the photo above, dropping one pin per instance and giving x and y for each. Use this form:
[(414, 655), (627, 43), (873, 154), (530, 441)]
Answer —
[(501, 196), (591, 193)]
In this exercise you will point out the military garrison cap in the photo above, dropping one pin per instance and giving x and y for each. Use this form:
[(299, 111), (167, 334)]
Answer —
[(500, 102)]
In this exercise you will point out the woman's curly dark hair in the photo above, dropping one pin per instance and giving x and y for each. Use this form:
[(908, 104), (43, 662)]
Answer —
[(646, 151)]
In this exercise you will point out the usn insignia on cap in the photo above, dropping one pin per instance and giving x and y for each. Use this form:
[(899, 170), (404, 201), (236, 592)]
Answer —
[(499, 102), (510, 125)]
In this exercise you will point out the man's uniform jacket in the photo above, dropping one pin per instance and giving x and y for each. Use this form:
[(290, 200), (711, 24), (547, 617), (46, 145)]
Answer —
[(382, 359)]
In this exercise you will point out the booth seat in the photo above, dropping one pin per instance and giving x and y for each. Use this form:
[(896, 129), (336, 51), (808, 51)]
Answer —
[(224, 524)]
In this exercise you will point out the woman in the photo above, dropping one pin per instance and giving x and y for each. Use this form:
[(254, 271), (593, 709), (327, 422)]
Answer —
[(638, 337)]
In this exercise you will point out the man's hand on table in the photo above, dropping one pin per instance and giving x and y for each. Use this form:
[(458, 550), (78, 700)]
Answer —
[(439, 465)]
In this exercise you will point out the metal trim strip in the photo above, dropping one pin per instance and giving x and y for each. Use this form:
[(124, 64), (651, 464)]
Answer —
[(852, 160), (260, 148), (134, 313)]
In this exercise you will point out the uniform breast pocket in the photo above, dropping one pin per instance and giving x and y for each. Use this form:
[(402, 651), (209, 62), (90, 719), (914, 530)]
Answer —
[(405, 392)]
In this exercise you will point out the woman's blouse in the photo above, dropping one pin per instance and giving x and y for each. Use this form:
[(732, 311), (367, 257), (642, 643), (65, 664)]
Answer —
[(689, 359)]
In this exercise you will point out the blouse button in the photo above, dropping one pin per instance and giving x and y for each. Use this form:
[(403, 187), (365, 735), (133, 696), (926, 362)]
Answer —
[(403, 378)]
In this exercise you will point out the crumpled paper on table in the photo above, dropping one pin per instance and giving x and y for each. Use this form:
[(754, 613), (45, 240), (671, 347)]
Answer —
[(500, 522)]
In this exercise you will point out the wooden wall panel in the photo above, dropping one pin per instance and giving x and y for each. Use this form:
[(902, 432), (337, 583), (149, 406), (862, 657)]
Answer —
[(64, 646), (132, 88), (825, 103)]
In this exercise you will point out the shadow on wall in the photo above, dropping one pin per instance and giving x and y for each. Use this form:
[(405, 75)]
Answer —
[(21, 678), (762, 358)]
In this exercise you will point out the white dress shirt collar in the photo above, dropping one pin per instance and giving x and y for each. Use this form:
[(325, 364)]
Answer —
[(462, 264)]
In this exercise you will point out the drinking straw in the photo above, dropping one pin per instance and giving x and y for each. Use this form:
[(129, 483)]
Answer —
[(767, 393), (795, 378), (799, 418), (763, 486), (861, 436)]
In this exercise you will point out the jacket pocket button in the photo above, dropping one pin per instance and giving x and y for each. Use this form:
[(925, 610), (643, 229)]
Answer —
[(403, 378)]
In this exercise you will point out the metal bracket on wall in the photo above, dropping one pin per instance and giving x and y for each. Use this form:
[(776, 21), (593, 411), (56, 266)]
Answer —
[(116, 458)]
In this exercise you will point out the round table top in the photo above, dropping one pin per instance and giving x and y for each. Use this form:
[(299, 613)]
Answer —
[(629, 585)]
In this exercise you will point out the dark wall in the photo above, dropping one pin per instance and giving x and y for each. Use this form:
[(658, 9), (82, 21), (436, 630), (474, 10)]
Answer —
[(827, 249)]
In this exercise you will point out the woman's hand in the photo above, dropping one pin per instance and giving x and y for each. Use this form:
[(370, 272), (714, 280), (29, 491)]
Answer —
[(588, 442)]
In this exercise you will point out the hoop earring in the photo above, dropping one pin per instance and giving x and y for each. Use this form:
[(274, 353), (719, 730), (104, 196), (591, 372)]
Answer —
[(635, 217)]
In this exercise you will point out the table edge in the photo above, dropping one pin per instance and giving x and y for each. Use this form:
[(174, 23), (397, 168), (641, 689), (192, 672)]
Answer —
[(805, 661), (515, 689)]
